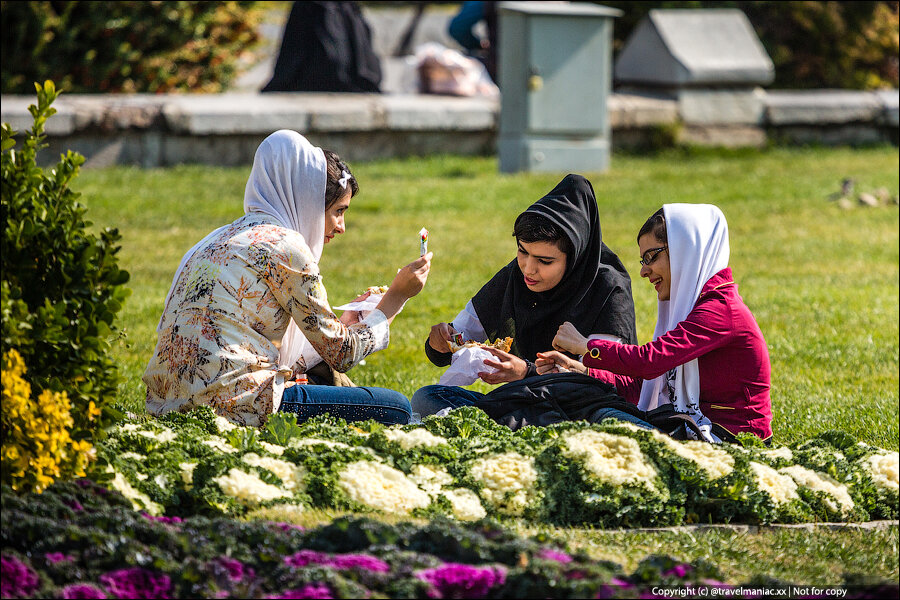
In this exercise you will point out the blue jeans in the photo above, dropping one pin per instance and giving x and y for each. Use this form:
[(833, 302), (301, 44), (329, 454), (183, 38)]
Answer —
[(432, 398), (349, 403)]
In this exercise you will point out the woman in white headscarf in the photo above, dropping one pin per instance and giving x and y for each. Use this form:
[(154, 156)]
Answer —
[(247, 311), (708, 357)]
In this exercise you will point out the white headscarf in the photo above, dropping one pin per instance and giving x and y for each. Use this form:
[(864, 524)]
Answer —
[(287, 182), (698, 249)]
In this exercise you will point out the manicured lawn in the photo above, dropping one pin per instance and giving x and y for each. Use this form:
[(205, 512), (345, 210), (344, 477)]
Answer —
[(822, 281)]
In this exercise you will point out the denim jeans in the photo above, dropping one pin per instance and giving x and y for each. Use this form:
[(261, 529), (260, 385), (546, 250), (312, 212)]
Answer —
[(349, 403), (432, 398)]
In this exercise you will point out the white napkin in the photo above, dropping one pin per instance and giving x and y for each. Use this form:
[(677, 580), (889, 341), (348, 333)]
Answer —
[(465, 365), (364, 307)]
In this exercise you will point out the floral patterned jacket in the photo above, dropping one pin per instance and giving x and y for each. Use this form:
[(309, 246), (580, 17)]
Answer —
[(217, 339)]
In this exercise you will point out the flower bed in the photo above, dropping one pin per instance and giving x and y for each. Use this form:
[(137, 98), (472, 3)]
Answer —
[(80, 540), (466, 466)]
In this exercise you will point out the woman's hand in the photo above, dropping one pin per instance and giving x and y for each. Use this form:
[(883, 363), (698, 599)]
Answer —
[(568, 339), (509, 367), (439, 338), (352, 317), (408, 282), (556, 362)]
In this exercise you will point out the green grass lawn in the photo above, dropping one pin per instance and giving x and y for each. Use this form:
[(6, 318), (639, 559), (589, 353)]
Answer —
[(822, 282)]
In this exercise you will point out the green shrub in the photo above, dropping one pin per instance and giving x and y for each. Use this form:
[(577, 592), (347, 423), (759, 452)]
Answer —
[(61, 284), (850, 45), (125, 46)]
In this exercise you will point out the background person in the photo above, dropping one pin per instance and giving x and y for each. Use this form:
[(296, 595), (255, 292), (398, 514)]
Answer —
[(326, 47), (562, 272), (248, 310), (708, 356)]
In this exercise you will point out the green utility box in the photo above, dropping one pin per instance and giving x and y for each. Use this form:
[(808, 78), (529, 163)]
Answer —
[(555, 76)]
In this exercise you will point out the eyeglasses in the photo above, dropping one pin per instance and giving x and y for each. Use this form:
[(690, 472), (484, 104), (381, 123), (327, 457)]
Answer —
[(650, 255)]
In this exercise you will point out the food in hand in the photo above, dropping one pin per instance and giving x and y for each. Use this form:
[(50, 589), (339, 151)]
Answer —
[(500, 344), (379, 290), (423, 242)]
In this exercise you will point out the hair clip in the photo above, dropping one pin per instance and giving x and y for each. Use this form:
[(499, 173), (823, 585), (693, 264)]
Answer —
[(345, 177)]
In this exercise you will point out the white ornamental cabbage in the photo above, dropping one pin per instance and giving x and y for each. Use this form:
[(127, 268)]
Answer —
[(224, 425), (715, 462), (416, 438), (613, 459), (465, 503), (883, 469), (782, 452), (138, 499), (217, 443), (248, 487), (290, 474), (509, 480), (133, 456), (381, 487), (187, 473), (165, 436), (835, 493), (272, 448), (430, 478), (781, 488)]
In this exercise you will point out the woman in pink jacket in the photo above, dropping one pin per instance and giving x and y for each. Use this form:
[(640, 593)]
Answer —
[(708, 357)]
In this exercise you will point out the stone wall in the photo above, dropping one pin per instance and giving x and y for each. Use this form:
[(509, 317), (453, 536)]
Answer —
[(225, 129)]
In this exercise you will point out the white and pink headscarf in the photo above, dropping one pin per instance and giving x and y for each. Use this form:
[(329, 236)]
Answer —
[(698, 249)]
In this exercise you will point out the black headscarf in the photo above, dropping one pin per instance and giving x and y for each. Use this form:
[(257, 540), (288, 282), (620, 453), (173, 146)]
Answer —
[(594, 294)]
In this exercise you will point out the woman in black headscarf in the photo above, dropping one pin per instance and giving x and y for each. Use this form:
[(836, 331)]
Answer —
[(562, 272)]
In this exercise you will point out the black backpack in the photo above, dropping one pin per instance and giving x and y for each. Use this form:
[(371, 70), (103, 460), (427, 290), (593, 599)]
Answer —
[(558, 397)]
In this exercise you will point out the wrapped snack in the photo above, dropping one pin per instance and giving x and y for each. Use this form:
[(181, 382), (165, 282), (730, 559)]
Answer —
[(423, 243), (468, 360), (377, 290)]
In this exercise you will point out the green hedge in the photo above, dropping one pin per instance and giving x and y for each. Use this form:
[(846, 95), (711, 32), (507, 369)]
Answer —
[(61, 283), (849, 45), (125, 46)]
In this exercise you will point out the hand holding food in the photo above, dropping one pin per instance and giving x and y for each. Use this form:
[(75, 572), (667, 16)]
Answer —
[(508, 367), (410, 280), (440, 335), (556, 362)]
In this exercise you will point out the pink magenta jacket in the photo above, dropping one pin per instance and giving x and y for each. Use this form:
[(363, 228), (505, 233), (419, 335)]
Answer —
[(732, 356)]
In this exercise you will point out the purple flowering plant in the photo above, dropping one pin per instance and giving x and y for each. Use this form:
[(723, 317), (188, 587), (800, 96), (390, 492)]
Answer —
[(110, 550)]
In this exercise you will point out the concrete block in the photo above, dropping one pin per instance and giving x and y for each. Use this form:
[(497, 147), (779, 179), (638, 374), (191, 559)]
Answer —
[(14, 110), (689, 47), (635, 110), (344, 112), (722, 106), (235, 114), (439, 113), (821, 107)]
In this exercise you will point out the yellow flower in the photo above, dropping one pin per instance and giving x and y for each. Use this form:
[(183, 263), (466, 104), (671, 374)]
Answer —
[(37, 443)]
